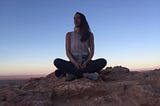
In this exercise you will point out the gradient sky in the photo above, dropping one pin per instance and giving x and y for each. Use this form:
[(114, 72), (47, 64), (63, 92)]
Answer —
[(32, 33)]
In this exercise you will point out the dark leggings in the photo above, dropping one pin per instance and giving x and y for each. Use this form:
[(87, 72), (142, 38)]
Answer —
[(68, 67)]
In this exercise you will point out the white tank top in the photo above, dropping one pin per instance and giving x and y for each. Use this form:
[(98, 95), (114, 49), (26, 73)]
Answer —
[(77, 48)]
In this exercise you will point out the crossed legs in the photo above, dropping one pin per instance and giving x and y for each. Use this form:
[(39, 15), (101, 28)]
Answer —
[(67, 67)]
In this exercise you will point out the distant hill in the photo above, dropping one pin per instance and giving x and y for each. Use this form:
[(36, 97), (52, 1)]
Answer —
[(18, 77)]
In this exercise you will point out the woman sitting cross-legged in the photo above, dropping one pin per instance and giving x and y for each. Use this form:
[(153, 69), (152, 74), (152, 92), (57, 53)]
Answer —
[(79, 50)]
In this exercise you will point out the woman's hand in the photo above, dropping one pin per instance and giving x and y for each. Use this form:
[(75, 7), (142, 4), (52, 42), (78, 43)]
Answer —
[(84, 65), (77, 65)]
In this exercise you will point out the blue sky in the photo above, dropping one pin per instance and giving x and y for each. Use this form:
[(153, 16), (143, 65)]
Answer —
[(32, 33)]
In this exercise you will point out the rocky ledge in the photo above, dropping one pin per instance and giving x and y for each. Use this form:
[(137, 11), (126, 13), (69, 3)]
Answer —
[(119, 87)]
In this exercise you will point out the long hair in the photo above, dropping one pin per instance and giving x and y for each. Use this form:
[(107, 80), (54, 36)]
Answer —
[(84, 27)]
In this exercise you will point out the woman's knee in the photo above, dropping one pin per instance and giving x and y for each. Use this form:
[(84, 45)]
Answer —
[(103, 62), (57, 61)]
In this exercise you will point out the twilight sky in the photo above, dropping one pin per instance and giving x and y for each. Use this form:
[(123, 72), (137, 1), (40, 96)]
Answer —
[(32, 33)]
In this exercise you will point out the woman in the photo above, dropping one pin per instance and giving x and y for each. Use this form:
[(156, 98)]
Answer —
[(79, 50)]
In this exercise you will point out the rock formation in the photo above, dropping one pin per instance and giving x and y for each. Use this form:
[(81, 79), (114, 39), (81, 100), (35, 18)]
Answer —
[(119, 87)]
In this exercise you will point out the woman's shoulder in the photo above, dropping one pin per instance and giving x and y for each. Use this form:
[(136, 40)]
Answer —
[(69, 33), (91, 34)]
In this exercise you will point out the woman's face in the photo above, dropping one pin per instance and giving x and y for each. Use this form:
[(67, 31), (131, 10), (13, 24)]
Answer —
[(77, 20)]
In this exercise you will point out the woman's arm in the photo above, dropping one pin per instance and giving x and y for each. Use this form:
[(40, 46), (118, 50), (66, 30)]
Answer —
[(68, 51), (91, 53)]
